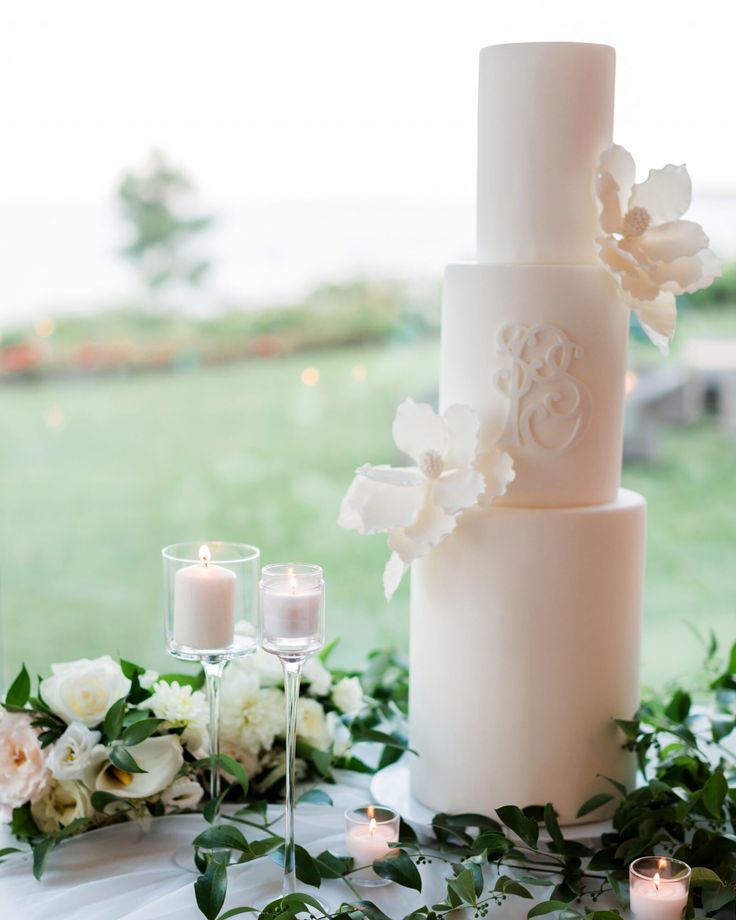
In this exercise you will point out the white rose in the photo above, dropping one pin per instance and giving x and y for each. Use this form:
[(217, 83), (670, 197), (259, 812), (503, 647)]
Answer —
[(184, 794), (311, 724), (340, 734), (65, 802), (83, 691), (161, 757), (347, 695), (181, 707), (317, 676), (72, 753)]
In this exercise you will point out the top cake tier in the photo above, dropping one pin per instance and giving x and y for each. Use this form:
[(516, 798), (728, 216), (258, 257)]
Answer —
[(545, 114)]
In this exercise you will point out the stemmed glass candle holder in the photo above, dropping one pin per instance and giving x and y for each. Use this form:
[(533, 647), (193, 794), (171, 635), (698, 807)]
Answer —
[(368, 833), (292, 628), (658, 888), (211, 603)]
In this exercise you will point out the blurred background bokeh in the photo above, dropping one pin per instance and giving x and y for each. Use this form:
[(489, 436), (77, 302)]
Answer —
[(223, 228)]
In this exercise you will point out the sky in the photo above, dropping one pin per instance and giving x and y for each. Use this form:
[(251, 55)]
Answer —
[(364, 108)]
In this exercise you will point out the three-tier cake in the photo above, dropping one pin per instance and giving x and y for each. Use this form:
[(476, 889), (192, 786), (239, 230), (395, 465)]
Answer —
[(526, 624)]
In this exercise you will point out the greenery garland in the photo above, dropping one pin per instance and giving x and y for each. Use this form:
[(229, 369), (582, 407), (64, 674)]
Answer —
[(685, 806)]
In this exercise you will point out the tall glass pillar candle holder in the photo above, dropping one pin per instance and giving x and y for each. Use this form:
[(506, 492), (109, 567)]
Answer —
[(211, 615), (658, 888), (292, 628)]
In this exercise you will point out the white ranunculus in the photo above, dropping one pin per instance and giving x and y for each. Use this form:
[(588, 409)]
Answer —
[(311, 724), (650, 251), (317, 676), (184, 794), (342, 740), (417, 506), (181, 707), (65, 801), (347, 695), (83, 691), (161, 757), (251, 716), (72, 754)]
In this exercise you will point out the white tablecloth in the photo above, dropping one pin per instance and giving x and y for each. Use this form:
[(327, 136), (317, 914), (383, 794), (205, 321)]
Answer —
[(125, 873)]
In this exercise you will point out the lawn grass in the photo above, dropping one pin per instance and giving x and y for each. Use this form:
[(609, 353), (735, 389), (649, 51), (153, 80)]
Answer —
[(96, 475)]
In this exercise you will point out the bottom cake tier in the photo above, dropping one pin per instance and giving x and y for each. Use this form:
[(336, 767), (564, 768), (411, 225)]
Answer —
[(525, 636)]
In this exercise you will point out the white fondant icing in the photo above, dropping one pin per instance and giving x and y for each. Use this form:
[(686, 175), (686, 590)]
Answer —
[(553, 391), (548, 408), (545, 115), (525, 632)]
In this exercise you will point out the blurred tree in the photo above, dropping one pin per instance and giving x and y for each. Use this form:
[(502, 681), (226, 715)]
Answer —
[(156, 200)]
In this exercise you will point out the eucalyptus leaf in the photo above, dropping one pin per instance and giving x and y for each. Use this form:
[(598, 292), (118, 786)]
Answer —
[(210, 889)]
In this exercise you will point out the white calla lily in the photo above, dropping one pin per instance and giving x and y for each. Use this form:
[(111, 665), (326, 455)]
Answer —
[(161, 757), (652, 253), (417, 506)]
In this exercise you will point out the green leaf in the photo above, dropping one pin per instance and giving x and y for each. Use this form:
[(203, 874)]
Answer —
[(678, 707), (22, 824), (122, 759), (72, 828), (702, 876), (40, 854), (619, 787), (722, 726), (8, 851), (236, 911), (140, 730), (508, 885), (320, 760), (195, 681), (306, 867), (210, 889), (714, 794), (315, 797), (630, 727), (515, 819), (331, 866), (495, 845), (546, 907), (593, 803), (553, 827), (464, 887), (113, 723), (19, 690), (399, 868), (131, 670), (371, 735), (223, 836)]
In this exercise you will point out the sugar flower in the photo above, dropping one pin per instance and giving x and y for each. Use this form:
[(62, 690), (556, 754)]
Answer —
[(417, 506), (650, 251)]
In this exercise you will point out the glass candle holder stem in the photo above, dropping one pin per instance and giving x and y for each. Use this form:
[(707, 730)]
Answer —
[(292, 679), (213, 670)]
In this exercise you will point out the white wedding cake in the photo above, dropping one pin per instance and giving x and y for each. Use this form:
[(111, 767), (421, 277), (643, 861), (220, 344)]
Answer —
[(526, 624)]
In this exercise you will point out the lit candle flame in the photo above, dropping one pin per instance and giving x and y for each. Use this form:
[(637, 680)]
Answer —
[(656, 882), (372, 827), (292, 580), (662, 864), (204, 554)]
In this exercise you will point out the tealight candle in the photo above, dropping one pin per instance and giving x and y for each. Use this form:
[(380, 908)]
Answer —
[(368, 833), (658, 888), (204, 604), (292, 597)]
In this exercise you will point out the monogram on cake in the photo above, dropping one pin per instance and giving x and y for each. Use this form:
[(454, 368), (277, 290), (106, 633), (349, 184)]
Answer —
[(531, 611)]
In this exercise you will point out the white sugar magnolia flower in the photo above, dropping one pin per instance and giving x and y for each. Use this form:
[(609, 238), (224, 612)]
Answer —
[(181, 707), (83, 690), (347, 695), (417, 506), (161, 757), (649, 250), (65, 802), (73, 752)]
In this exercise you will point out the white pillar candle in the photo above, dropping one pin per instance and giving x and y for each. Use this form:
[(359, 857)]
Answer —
[(291, 609), (204, 605)]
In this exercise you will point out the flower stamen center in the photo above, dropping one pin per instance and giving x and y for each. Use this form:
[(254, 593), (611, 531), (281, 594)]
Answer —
[(431, 464), (636, 221)]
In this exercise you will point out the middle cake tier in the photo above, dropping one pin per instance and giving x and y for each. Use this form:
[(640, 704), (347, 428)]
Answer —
[(539, 351)]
